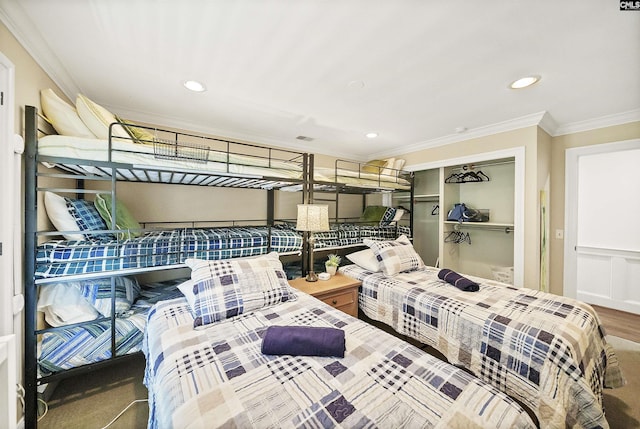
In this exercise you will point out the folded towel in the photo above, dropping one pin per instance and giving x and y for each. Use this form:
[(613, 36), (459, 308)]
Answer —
[(303, 341), (457, 280)]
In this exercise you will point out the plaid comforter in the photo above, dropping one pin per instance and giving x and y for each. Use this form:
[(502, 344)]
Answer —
[(159, 248), (547, 351), (218, 377), (70, 347)]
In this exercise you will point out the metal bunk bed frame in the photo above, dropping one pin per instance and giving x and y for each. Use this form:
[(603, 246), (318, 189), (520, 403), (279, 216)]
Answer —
[(113, 172)]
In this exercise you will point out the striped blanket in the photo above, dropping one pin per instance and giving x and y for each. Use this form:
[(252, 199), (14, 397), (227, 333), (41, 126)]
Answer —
[(218, 377), (547, 351), (70, 347)]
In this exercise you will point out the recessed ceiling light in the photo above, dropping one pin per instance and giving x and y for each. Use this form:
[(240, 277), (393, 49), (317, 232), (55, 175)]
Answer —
[(194, 85), (524, 82), (371, 135)]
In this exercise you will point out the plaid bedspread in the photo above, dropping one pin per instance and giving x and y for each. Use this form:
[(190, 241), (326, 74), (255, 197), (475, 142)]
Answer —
[(70, 347), (218, 377), (547, 351), (158, 248), (350, 234)]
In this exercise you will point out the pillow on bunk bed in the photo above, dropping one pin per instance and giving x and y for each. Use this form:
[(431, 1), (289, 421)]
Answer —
[(63, 304), (378, 215), (97, 292), (63, 116), (395, 256), (98, 119), (138, 134), (365, 259), (375, 166), (124, 219), (227, 288), (88, 218), (58, 213)]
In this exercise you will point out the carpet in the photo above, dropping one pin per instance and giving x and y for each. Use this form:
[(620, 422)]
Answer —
[(621, 406)]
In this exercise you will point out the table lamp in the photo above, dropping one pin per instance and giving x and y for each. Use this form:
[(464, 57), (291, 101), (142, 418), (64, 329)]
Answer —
[(311, 218)]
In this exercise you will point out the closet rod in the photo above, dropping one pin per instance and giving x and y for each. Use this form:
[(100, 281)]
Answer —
[(505, 229), (483, 164)]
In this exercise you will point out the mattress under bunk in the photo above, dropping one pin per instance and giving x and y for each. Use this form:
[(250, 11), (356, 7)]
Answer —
[(66, 347)]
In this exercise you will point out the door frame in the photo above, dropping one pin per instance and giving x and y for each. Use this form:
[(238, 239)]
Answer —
[(518, 153), (572, 157)]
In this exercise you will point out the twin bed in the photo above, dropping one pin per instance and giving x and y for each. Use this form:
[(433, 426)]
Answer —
[(216, 374), (549, 352)]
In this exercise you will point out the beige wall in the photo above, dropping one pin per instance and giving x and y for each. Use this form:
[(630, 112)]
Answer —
[(558, 147)]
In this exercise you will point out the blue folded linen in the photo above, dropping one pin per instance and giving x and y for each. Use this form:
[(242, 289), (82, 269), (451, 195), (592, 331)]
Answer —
[(458, 281), (303, 341)]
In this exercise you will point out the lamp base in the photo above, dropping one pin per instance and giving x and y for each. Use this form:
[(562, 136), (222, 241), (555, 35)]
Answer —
[(311, 277)]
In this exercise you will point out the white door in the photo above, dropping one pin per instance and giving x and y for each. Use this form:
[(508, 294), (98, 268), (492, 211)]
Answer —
[(602, 240)]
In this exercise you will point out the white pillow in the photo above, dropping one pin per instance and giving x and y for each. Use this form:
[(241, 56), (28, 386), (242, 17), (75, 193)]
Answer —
[(63, 116), (63, 304), (187, 290), (365, 259), (398, 164), (387, 170), (398, 215), (60, 217), (98, 119)]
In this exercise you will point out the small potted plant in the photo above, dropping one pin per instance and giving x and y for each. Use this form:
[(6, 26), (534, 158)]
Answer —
[(333, 261)]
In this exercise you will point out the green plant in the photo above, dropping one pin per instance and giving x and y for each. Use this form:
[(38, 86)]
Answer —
[(333, 260)]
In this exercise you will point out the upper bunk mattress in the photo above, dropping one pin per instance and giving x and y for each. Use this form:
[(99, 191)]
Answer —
[(143, 156)]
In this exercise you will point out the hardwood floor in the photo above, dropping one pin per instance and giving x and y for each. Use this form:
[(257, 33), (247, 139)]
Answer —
[(619, 323)]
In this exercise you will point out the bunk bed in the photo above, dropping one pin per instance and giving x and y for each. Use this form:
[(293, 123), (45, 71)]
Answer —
[(101, 261), (548, 352), (245, 371)]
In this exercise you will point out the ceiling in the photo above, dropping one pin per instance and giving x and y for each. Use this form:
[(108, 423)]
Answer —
[(418, 73)]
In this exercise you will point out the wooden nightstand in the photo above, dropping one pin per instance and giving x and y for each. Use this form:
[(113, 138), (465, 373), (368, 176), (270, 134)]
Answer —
[(339, 291)]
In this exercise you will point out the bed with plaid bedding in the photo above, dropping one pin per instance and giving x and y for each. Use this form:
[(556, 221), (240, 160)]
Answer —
[(547, 351), (352, 234), (218, 377), (161, 248), (69, 347)]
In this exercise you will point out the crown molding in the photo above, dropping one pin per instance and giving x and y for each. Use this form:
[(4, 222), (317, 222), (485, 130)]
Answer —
[(483, 131), (26, 33), (601, 122)]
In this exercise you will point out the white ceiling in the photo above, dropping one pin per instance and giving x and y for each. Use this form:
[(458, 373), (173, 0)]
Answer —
[(278, 69)]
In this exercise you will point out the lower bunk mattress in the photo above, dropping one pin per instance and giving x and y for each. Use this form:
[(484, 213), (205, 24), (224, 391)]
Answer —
[(58, 258), (217, 376), (67, 347), (547, 351)]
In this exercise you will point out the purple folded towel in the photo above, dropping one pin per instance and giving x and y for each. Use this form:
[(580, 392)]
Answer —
[(458, 281), (303, 341)]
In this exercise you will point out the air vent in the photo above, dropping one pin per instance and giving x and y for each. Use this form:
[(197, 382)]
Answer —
[(305, 138)]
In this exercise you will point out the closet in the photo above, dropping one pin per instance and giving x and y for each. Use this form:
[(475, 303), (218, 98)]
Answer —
[(492, 183)]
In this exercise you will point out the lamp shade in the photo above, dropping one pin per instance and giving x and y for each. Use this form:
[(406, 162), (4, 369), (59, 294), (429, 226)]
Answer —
[(313, 217)]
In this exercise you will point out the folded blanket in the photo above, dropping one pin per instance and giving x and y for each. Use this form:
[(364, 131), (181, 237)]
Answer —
[(303, 341), (457, 280)]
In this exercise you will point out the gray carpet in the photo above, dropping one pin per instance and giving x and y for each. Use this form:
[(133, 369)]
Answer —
[(93, 400)]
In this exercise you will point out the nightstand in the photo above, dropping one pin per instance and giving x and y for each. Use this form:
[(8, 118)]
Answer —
[(339, 291)]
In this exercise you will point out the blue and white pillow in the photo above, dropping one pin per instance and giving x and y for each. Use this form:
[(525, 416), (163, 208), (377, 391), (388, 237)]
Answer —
[(388, 216), (97, 292), (395, 256), (87, 218), (227, 288)]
